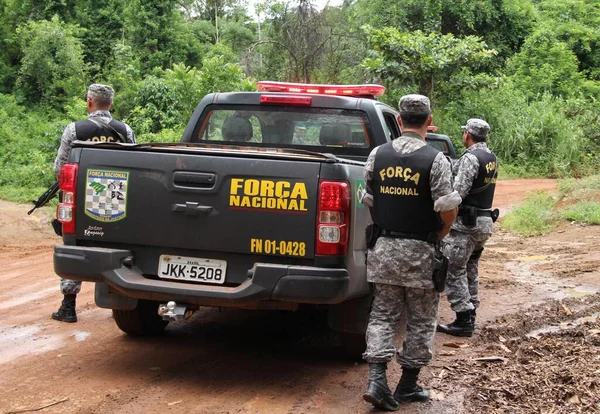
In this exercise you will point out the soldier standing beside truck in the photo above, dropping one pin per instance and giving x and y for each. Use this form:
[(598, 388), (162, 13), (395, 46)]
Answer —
[(98, 127), (475, 176), (409, 192)]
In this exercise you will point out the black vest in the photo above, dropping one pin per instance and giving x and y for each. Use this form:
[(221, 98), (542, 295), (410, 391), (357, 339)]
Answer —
[(88, 130), (488, 173), (401, 191)]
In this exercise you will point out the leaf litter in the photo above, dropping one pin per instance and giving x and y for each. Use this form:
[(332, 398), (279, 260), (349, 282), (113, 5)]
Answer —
[(557, 370)]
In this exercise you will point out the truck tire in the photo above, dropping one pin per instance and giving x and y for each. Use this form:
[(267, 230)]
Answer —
[(353, 344), (143, 320)]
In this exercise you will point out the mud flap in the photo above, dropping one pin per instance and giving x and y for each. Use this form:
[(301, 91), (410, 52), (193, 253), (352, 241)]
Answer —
[(109, 300), (351, 316)]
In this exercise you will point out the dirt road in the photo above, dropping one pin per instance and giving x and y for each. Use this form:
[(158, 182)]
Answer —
[(259, 362)]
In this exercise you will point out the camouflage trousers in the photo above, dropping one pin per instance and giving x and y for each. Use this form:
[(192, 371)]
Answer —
[(462, 283), (420, 307), (69, 287)]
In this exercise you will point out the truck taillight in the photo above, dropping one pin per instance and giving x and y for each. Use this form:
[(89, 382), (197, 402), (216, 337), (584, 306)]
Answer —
[(333, 218), (67, 183)]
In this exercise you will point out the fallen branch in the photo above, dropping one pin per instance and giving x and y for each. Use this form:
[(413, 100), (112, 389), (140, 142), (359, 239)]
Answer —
[(566, 309), (29, 410)]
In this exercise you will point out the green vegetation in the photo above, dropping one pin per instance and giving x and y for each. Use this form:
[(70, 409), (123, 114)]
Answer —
[(587, 212), (533, 217), (576, 202), (529, 67)]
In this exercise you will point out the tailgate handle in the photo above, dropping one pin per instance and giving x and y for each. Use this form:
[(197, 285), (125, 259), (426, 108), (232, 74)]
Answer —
[(192, 209), (194, 179)]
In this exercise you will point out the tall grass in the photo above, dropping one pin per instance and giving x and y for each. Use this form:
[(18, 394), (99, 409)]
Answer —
[(535, 137), (533, 217), (28, 144), (583, 212)]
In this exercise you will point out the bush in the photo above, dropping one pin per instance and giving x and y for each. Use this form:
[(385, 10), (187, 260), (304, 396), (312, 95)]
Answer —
[(28, 144), (535, 137), (583, 212)]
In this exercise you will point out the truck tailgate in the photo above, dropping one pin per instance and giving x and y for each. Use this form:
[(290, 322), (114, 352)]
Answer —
[(219, 202)]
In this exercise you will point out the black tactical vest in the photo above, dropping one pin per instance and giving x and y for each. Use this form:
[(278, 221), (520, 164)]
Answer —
[(488, 173), (88, 130), (401, 191)]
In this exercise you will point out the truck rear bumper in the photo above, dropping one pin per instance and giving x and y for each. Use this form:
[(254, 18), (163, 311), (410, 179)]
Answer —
[(266, 281)]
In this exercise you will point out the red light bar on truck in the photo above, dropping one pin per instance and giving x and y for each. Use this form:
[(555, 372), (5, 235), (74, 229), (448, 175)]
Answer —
[(339, 90)]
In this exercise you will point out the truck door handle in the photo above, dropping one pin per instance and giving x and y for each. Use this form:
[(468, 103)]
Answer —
[(194, 179), (192, 209)]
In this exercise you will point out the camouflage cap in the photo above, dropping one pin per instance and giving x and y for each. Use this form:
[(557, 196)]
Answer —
[(98, 90), (414, 104), (477, 127)]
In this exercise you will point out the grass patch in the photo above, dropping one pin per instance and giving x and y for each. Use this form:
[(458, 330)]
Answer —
[(515, 171), (575, 188), (583, 212), (21, 194), (533, 217)]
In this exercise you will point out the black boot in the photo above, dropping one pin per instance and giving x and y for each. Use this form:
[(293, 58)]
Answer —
[(378, 393), (473, 316), (66, 312), (407, 389), (462, 326)]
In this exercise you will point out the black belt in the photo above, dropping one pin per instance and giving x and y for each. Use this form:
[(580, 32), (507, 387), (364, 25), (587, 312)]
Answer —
[(432, 237), (480, 213)]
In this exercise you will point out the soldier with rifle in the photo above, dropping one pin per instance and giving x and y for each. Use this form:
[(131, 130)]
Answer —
[(101, 127)]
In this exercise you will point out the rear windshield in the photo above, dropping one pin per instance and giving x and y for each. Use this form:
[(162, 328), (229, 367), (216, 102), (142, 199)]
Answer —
[(337, 131)]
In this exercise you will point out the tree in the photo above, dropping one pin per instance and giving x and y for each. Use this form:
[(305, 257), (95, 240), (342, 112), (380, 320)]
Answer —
[(297, 37), (546, 64), (502, 24), (152, 28), (577, 24), (106, 27), (425, 60), (52, 68)]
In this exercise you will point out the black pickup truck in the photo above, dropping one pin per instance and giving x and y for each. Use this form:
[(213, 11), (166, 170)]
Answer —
[(258, 207)]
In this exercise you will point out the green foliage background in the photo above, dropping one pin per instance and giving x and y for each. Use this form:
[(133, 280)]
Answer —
[(529, 67)]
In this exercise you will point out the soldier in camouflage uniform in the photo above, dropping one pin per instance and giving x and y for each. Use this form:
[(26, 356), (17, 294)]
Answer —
[(409, 193), (475, 176), (98, 127)]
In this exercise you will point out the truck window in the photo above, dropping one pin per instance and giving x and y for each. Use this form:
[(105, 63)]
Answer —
[(391, 125), (314, 129), (439, 145)]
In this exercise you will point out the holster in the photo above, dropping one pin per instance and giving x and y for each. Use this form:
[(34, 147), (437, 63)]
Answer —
[(372, 233), (440, 269), (468, 215), (495, 215)]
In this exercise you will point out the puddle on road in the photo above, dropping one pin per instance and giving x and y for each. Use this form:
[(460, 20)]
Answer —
[(18, 341), (545, 284), (580, 291), (563, 326)]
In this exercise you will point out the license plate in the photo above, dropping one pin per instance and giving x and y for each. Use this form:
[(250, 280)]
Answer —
[(192, 269)]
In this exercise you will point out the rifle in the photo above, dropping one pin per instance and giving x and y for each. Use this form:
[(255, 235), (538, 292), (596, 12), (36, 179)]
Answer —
[(44, 198)]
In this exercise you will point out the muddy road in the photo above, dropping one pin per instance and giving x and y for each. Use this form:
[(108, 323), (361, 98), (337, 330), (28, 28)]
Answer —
[(228, 361)]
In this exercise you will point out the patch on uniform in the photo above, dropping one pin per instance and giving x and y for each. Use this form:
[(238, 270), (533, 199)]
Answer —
[(106, 195), (360, 192)]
